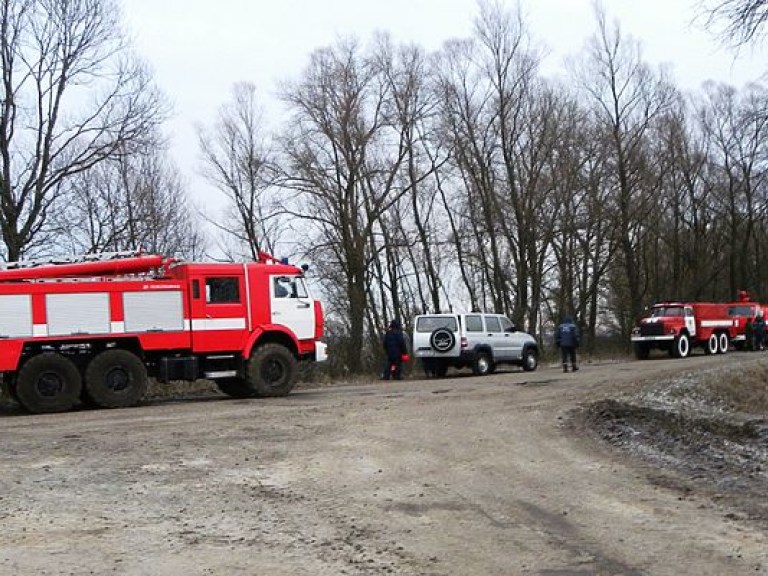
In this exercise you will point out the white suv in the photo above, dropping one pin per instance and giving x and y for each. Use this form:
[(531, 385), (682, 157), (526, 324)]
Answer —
[(476, 340)]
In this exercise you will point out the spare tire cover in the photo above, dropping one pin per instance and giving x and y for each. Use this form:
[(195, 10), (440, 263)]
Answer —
[(442, 340)]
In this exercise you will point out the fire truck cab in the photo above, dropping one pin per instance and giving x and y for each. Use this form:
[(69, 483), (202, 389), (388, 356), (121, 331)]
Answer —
[(95, 329)]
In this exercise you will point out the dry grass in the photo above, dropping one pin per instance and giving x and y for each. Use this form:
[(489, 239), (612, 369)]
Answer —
[(745, 391)]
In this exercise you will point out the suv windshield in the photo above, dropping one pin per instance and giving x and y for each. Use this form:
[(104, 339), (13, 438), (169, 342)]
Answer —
[(432, 323)]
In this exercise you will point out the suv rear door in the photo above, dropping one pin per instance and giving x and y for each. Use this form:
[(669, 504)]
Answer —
[(474, 331), (496, 337)]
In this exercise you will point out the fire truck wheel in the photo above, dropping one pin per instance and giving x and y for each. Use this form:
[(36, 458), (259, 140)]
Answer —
[(48, 382), (682, 346), (115, 379), (724, 343), (271, 370), (711, 345), (234, 387), (642, 350)]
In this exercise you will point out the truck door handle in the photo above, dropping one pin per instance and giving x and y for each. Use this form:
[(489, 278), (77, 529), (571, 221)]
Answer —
[(303, 305)]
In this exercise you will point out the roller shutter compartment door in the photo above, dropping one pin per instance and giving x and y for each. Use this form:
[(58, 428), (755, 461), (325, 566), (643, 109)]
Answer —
[(78, 313), (15, 315), (153, 311)]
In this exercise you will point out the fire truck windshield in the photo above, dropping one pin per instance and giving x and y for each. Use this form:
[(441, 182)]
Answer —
[(666, 311)]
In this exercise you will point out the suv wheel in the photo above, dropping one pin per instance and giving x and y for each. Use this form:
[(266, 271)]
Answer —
[(442, 340), (530, 360), (482, 364)]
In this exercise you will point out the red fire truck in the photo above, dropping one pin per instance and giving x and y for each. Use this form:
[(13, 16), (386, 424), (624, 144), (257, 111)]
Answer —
[(94, 329), (742, 311), (679, 326)]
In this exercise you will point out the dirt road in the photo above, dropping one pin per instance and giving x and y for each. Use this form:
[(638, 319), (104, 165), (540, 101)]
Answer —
[(459, 476)]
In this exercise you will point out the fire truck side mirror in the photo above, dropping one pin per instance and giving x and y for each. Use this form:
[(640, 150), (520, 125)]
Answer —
[(305, 267)]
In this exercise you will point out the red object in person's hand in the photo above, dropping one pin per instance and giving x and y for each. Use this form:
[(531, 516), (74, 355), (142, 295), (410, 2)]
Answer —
[(405, 358)]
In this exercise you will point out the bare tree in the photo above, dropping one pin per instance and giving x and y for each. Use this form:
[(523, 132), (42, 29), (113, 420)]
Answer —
[(407, 232), (129, 202), (743, 19), (735, 125), (72, 96), (343, 168), (238, 162), (628, 99)]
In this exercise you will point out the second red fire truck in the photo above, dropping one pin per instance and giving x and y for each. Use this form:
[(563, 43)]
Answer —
[(678, 327)]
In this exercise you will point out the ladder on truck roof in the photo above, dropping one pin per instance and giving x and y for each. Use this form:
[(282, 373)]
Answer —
[(95, 264), (92, 257)]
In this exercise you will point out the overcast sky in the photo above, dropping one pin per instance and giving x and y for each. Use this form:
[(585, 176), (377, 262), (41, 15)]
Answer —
[(199, 48)]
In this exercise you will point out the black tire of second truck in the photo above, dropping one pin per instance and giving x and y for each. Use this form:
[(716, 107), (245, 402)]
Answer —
[(235, 388), (48, 382), (115, 379), (724, 343), (271, 371)]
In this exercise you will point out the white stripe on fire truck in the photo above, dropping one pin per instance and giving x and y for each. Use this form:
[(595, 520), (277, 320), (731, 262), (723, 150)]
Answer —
[(219, 324), (716, 323), (205, 325)]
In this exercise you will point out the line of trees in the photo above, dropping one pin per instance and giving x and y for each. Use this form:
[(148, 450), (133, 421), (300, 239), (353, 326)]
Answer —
[(413, 181), (465, 179)]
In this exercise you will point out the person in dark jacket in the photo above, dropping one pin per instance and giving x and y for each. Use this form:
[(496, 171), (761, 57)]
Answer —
[(758, 331), (567, 339), (749, 335), (394, 348)]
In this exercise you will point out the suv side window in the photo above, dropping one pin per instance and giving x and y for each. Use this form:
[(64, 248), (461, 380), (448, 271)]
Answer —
[(506, 324), (474, 323), (492, 324)]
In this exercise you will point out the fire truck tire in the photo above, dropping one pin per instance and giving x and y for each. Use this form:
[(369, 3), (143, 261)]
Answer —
[(48, 382), (235, 388), (115, 379), (642, 350), (681, 346), (271, 371), (712, 343), (724, 343)]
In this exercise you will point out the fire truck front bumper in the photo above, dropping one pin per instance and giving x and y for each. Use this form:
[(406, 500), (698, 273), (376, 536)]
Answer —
[(665, 338)]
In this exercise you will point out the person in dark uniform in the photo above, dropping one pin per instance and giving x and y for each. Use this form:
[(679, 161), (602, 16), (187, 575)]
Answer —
[(567, 339), (394, 348), (758, 331)]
